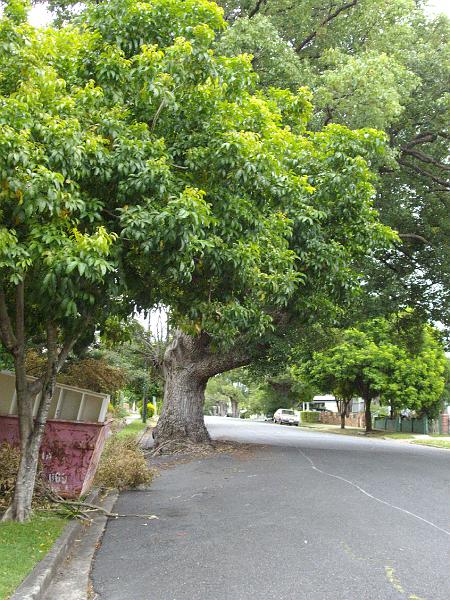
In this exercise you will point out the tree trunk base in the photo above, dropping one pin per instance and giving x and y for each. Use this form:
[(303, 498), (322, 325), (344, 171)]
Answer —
[(171, 431)]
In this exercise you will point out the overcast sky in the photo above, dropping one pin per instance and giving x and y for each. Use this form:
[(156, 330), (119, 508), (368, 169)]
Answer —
[(40, 16)]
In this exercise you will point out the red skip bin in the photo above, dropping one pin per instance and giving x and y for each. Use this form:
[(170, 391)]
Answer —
[(74, 435)]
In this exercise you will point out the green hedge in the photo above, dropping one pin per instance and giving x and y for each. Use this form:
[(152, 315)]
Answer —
[(309, 416)]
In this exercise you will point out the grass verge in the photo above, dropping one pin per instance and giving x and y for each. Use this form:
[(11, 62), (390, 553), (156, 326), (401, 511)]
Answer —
[(134, 428), (436, 443), (358, 431), (397, 435), (23, 545)]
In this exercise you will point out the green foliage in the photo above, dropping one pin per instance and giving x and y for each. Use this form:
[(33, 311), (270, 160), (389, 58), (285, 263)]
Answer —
[(150, 410), (275, 61), (168, 122), (6, 361), (446, 391), (225, 388), (381, 64), (133, 350), (309, 416)]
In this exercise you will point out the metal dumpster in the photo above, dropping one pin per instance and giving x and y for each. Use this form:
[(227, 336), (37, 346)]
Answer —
[(74, 434)]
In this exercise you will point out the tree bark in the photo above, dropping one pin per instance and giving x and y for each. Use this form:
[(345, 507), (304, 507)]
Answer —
[(235, 408), (343, 409), (188, 364), (182, 414), (368, 414)]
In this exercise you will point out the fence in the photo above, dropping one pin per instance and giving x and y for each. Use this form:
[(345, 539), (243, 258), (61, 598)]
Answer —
[(414, 425), (353, 420)]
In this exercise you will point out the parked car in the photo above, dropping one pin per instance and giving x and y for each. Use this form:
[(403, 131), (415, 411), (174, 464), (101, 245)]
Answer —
[(286, 415)]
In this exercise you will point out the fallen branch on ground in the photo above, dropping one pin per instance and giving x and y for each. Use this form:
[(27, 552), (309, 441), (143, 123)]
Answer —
[(87, 507)]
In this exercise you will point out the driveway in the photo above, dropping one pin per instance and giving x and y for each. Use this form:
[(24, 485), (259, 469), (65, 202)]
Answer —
[(309, 516)]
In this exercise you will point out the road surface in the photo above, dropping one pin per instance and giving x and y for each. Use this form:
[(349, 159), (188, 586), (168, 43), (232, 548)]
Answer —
[(311, 516)]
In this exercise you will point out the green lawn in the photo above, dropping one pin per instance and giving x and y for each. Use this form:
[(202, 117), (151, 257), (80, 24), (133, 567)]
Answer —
[(436, 443), (22, 546), (378, 433), (134, 428)]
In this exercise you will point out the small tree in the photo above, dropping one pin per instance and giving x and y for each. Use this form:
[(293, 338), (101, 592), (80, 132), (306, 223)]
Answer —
[(56, 257), (375, 361)]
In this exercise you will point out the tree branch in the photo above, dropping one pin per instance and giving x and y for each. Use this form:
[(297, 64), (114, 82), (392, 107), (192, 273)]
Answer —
[(423, 138), (425, 158), (413, 236), (325, 21), (20, 313), (427, 137), (6, 331), (425, 173), (256, 8)]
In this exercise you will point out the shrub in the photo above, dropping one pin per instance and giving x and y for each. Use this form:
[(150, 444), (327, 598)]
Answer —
[(122, 464), (9, 465), (309, 416), (150, 410), (9, 461)]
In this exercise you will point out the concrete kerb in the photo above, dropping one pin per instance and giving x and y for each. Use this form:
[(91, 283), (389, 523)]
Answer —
[(36, 584)]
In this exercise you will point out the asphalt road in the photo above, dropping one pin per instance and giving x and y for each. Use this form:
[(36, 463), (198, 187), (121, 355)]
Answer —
[(311, 516)]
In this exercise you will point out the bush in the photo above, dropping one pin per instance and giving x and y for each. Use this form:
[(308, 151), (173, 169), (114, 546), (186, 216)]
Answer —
[(9, 465), (117, 412), (310, 416), (122, 464), (150, 410), (9, 461)]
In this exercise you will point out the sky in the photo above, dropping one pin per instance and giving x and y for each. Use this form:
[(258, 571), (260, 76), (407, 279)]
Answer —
[(39, 15)]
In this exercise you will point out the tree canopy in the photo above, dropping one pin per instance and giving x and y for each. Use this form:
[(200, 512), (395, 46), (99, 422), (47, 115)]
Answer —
[(381, 64)]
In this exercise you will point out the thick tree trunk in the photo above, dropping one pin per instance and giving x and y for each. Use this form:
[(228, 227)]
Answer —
[(343, 420), (235, 409), (368, 414), (182, 414), (188, 364)]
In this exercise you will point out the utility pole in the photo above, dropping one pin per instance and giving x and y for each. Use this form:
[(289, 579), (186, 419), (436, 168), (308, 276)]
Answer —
[(146, 376), (144, 398)]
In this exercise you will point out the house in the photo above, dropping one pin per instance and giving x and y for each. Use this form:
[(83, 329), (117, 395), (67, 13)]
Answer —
[(328, 402)]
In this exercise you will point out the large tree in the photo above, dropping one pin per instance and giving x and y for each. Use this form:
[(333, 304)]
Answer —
[(284, 210)]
